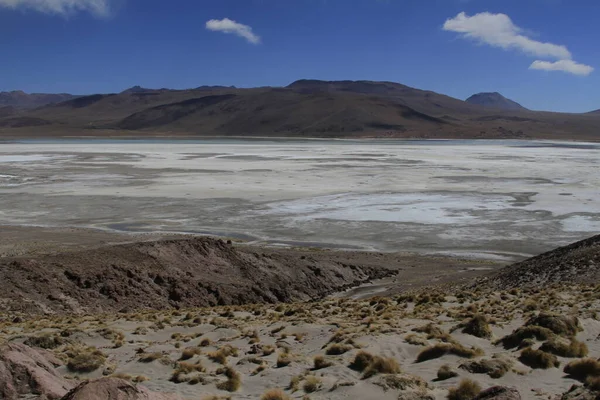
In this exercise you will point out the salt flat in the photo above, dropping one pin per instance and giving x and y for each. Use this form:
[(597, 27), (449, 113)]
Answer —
[(496, 199)]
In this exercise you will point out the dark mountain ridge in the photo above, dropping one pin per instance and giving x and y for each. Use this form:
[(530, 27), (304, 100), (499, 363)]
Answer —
[(305, 108)]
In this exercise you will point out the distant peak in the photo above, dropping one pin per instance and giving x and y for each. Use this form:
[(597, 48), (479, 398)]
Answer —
[(494, 100), (135, 89)]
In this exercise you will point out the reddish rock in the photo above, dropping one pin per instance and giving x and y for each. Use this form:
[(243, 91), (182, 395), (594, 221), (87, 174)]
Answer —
[(25, 371), (115, 389)]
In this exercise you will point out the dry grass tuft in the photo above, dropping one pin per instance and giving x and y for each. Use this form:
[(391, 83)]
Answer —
[(85, 359), (467, 390), (446, 372), (584, 368), (312, 384), (220, 356), (149, 357), (572, 349), (372, 365), (320, 362), (233, 382), (526, 332), (381, 365), (284, 359), (477, 326), (441, 349), (274, 394), (46, 341), (190, 352), (338, 349), (538, 359), (495, 368), (361, 361), (559, 324)]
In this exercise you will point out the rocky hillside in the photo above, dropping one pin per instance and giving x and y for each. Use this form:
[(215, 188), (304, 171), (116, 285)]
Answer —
[(578, 262), (171, 274)]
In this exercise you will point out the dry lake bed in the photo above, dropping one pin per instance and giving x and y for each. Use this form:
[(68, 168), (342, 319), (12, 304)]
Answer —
[(499, 200)]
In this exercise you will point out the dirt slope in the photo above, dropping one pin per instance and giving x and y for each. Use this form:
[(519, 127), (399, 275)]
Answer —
[(170, 273)]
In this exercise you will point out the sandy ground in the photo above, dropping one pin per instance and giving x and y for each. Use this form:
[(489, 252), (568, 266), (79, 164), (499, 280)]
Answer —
[(497, 200), (263, 337)]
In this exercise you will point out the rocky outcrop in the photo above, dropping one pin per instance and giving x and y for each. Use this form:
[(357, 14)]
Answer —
[(578, 262), (27, 371), (114, 389), (499, 393)]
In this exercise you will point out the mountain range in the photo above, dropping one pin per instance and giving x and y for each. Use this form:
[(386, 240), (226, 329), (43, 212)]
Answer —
[(305, 108)]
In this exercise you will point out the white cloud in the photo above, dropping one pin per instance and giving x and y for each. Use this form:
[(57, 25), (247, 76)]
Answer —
[(62, 7), (226, 25), (568, 66), (498, 30)]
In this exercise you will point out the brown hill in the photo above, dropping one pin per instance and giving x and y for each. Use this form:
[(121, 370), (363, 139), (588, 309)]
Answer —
[(578, 262), (305, 108), (172, 273)]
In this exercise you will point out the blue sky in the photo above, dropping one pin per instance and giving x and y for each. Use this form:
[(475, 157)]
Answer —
[(541, 53)]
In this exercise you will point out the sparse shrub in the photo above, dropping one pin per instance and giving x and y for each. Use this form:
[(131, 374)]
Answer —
[(277, 330), (295, 383), (205, 342), (267, 350), (466, 390), (140, 330), (401, 382), (183, 370), (415, 340), (337, 349), (477, 326), (220, 356), (274, 394), (526, 332), (446, 372), (283, 360), (149, 357), (189, 353), (582, 369), (361, 361), (538, 359), (562, 325), (84, 360), (45, 341), (311, 384), (381, 365), (573, 349), (320, 362), (441, 349), (233, 382), (495, 368), (593, 383), (140, 379)]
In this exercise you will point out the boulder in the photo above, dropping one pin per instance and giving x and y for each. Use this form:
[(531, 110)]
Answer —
[(27, 371), (499, 393), (578, 392), (114, 389)]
